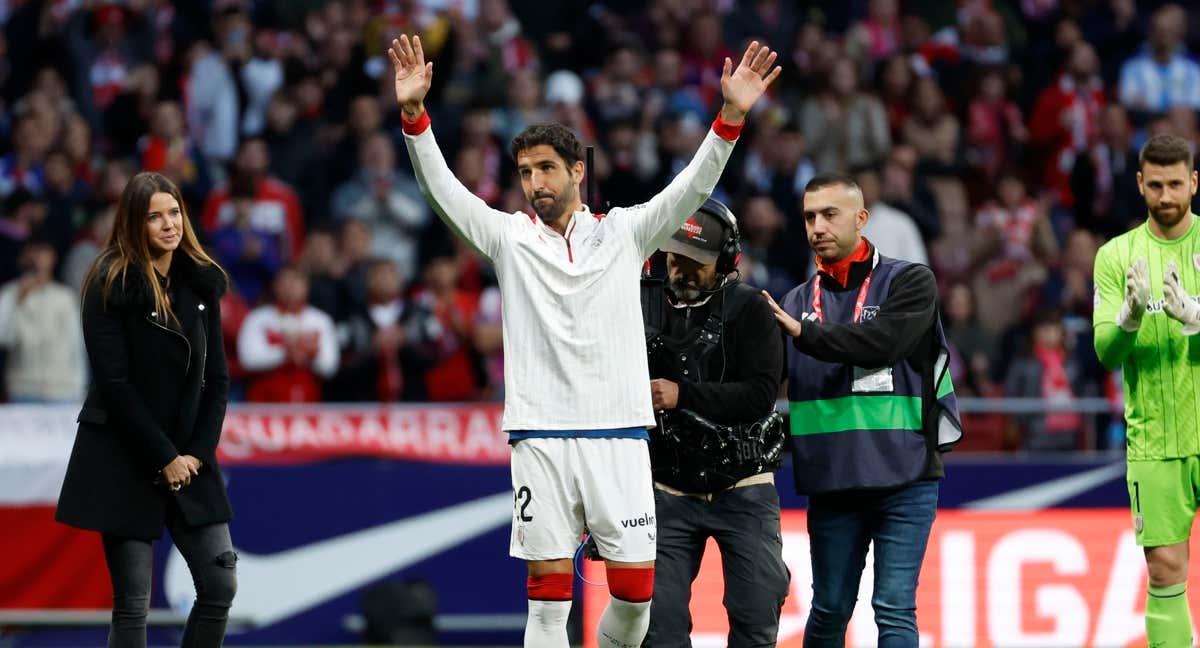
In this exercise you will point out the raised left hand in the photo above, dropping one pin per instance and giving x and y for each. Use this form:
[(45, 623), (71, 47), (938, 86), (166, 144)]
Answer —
[(664, 393), (741, 87)]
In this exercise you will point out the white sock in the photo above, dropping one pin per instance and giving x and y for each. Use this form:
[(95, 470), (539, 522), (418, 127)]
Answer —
[(547, 624), (623, 624)]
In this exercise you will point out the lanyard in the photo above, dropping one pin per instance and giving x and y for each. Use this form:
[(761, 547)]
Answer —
[(858, 303)]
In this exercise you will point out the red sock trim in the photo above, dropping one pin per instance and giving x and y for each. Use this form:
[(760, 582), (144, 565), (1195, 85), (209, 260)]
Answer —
[(635, 585), (415, 127), (727, 131), (550, 587)]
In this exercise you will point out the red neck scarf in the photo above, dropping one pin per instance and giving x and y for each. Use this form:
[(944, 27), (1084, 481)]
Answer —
[(840, 270)]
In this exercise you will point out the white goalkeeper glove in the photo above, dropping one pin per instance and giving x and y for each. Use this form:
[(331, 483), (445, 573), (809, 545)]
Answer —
[(1178, 304), (1137, 296)]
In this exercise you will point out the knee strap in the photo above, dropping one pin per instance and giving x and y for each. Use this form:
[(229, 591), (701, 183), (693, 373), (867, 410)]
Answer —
[(550, 587), (635, 585)]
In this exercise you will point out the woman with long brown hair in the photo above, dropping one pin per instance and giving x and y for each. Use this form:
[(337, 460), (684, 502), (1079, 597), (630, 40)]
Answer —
[(145, 452)]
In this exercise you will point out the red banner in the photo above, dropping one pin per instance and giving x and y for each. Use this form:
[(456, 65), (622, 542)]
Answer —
[(463, 434), (1046, 579)]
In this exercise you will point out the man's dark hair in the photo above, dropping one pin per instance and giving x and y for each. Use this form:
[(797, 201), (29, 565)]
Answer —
[(1165, 150), (822, 180), (556, 136)]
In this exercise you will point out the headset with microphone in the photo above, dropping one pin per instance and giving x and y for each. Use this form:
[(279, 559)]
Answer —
[(731, 245)]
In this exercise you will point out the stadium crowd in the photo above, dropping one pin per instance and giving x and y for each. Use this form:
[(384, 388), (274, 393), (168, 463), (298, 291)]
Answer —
[(995, 141)]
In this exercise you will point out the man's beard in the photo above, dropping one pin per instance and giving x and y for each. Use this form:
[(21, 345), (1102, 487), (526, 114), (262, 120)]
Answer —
[(551, 210), (688, 292), (1165, 217)]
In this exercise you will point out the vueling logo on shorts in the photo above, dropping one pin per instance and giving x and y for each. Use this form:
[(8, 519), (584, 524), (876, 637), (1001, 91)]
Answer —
[(644, 521)]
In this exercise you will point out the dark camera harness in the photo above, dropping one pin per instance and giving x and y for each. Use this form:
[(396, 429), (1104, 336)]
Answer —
[(689, 452)]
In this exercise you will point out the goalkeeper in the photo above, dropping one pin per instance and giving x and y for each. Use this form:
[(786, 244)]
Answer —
[(1145, 322)]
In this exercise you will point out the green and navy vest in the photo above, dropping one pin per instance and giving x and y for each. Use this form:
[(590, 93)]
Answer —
[(863, 427)]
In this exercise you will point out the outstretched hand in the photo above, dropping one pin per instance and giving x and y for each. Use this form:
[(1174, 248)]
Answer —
[(413, 74), (787, 323), (741, 87)]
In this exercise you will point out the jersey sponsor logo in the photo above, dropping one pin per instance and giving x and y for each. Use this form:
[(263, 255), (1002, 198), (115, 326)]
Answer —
[(808, 317), (869, 313), (1155, 306), (644, 521), (1196, 261), (1096, 298)]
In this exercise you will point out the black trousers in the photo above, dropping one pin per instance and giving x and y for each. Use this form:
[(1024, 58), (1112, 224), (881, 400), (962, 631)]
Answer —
[(745, 523), (208, 551)]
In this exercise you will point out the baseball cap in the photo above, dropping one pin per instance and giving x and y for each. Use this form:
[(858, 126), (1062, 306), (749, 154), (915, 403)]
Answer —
[(699, 238)]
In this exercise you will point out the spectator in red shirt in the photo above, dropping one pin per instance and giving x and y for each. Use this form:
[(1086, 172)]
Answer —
[(287, 346), (456, 375), (276, 209), (1064, 122)]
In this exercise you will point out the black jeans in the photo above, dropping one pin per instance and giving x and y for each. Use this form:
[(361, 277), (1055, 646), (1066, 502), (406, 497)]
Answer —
[(745, 523), (208, 551)]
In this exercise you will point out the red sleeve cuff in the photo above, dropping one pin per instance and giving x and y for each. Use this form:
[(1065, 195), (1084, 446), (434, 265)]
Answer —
[(725, 130), (417, 126)]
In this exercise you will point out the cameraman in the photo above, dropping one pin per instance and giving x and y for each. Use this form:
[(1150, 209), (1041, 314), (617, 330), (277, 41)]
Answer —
[(716, 360)]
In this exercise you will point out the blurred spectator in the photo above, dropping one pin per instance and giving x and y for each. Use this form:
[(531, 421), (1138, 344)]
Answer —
[(1104, 181), (1048, 372), (776, 265), (489, 342), (890, 230), (275, 210), (354, 256), (895, 90), (325, 270), (290, 146), (615, 91), (878, 35), (67, 198), (963, 330), (167, 150), (995, 128), (212, 103), (366, 120), (1020, 245), (1162, 75), (105, 41), (44, 363), (931, 129), (387, 201), (842, 126), (903, 189), (287, 347), (23, 214), (1064, 121), (87, 247), (633, 166), (23, 166), (777, 162), (126, 117), (251, 256), (524, 106), (454, 374), (704, 56), (386, 345), (261, 76)]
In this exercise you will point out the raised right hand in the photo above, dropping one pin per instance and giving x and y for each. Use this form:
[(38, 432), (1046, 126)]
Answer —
[(413, 74), (178, 473)]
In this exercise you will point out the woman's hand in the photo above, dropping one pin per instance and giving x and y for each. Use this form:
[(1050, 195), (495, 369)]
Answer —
[(178, 473)]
